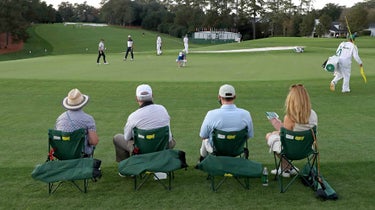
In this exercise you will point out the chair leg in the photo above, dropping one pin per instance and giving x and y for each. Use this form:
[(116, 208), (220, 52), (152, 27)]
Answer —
[(245, 183), (85, 185), (52, 187), (214, 186), (142, 178), (280, 176), (170, 176), (146, 176), (277, 164)]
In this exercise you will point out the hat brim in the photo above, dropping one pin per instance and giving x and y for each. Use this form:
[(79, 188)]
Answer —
[(75, 107)]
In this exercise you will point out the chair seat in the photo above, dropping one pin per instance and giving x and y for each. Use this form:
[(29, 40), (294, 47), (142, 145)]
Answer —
[(230, 159), (151, 157)]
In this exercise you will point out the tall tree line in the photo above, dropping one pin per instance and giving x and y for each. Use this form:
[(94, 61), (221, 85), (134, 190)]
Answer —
[(252, 18)]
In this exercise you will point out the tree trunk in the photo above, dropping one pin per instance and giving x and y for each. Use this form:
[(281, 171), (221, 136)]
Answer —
[(6, 39), (254, 27)]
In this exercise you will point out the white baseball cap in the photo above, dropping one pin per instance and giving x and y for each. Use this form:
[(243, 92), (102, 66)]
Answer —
[(227, 91), (144, 92)]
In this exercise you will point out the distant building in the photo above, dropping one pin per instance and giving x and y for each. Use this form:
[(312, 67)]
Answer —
[(217, 35), (336, 30), (372, 29)]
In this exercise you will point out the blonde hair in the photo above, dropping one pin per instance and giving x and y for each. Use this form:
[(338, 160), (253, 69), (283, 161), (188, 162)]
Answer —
[(298, 105)]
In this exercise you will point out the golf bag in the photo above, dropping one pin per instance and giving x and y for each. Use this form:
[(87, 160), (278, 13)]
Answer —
[(331, 63), (321, 187)]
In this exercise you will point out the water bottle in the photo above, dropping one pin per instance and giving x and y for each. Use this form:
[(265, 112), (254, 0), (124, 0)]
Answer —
[(265, 176)]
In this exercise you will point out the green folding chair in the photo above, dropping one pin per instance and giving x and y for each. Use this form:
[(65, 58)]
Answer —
[(66, 146), (149, 141), (153, 140), (232, 144), (295, 146)]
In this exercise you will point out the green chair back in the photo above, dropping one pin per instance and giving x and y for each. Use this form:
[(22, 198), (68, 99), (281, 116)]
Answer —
[(153, 140), (230, 143), (297, 145), (66, 145)]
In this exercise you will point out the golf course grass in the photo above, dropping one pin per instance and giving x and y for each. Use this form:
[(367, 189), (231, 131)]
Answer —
[(34, 84)]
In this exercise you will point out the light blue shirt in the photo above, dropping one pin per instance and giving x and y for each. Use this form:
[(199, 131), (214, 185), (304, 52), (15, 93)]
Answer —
[(227, 118)]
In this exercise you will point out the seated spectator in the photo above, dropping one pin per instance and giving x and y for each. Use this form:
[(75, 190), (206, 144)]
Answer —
[(227, 118), (148, 116), (75, 118), (298, 117)]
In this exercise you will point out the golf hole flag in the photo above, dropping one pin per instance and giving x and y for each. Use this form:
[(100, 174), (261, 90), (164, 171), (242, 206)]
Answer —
[(363, 74)]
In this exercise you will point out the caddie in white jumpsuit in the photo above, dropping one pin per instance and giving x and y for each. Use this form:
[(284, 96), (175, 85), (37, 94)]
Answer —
[(186, 44), (158, 45), (345, 51)]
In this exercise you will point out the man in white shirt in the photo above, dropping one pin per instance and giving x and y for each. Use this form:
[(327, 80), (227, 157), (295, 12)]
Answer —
[(101, 53), (147, 116), (130, 44), (345, 52)]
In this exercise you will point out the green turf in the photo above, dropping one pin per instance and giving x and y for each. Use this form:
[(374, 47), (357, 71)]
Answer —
[(32, 90)]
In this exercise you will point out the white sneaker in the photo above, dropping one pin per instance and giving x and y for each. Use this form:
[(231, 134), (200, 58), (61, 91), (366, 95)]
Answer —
[(160, 175), (123, 176), (294, 171), (285, 174), (106, 63)]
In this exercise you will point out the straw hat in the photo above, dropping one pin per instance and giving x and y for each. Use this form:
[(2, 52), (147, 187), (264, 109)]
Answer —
[(75, 100)]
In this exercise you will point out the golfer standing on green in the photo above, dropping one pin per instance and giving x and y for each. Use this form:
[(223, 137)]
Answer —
[(101, 53), (130, 48)]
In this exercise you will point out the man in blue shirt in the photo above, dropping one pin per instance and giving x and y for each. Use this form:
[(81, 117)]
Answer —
[(227, 118)]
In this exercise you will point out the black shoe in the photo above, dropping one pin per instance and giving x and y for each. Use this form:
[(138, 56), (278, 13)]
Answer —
[(200, 160)]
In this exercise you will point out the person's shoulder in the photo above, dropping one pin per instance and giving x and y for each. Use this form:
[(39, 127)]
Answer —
[(214, 111), (134, 114), (157, 106), (313, 114), (84, 113), (61, 115), (245, 111)]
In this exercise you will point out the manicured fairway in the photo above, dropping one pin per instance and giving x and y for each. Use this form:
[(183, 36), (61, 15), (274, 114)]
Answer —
[(32, 90)]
